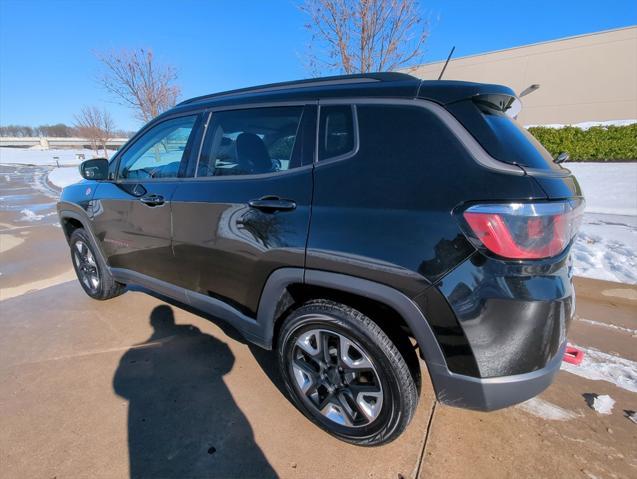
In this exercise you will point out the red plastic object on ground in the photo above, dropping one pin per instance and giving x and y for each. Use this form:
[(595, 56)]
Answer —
[(573, 355)]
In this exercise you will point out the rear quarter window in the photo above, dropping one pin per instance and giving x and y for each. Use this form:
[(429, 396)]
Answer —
[(503, 137)]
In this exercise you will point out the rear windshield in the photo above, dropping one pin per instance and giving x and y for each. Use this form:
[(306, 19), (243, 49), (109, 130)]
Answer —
[(487, 117)]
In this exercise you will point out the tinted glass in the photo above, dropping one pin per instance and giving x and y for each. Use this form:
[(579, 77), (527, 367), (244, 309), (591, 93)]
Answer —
[(254, 141), (336, 136), (501, 136), (159, 152)]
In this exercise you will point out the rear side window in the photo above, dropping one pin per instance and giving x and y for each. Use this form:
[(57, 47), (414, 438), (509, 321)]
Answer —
[(251, 141), (487, 119), (337, 134)]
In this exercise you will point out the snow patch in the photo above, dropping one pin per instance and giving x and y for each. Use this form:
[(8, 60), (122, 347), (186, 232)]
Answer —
[(546, 410), (606, 248), (585, 125), (600, 366), (609, 188), (63, 177), (38, 157), (603, 404), (29, 215)]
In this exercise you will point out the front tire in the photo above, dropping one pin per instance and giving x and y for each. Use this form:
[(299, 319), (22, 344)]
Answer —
[(92, 273), (344, 373)]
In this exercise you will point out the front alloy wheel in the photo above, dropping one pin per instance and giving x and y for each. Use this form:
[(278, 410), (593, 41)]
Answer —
[(86, 266), (93, 274)]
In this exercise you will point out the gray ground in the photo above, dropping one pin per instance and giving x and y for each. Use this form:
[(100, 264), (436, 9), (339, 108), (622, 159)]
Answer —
[(137, 386)]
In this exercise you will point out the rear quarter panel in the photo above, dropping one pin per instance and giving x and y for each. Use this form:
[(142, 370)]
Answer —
[(384, 214)]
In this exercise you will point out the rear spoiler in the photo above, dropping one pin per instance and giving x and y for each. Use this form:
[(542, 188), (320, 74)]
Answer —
[(446, 92)]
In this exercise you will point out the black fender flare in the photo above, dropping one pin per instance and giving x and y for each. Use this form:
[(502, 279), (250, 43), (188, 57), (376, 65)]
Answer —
[(408, 310), (70, 210)]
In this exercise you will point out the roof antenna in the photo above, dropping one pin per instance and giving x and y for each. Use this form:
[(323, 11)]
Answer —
[(447, 62)]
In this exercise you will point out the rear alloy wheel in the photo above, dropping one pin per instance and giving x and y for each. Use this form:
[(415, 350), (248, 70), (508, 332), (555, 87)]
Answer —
[(345, 374), (92, 273), (337, 377)]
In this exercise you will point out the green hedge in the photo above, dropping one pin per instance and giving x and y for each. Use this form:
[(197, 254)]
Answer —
[(612, 143)]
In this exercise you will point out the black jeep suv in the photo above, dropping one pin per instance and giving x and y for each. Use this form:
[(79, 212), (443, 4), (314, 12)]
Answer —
[(351, 224)]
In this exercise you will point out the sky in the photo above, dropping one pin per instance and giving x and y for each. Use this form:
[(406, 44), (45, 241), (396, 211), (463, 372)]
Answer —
[(48, 67)]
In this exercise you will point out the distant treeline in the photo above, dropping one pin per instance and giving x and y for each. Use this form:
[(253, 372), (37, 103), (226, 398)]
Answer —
[(59, 130)]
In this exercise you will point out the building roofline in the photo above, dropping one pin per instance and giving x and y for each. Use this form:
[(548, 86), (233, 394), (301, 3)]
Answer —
[(572, 37)]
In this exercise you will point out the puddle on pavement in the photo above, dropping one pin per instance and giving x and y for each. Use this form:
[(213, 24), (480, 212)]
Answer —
[(15, 198), (25, 195), (27, 206)]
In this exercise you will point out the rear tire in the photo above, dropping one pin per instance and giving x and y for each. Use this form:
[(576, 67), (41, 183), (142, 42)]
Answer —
[(92, 273), (345, 374)]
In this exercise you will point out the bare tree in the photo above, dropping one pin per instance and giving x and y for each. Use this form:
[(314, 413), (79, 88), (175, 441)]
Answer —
[(361, 36), (107, 130), (139, 82), (87, 124), (95, 125)]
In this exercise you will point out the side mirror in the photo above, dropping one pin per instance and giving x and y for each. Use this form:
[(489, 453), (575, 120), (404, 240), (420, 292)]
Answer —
[(562, 157), (95, 169)]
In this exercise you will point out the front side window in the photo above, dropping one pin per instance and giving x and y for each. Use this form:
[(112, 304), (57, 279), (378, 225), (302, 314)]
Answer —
[(251, 141), (337, 133), (159, 152)]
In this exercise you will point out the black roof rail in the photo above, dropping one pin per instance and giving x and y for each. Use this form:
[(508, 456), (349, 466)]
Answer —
[(310, 82)]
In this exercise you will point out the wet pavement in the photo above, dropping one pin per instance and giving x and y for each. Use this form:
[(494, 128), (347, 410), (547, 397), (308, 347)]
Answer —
[(28, 225), (136, 386)]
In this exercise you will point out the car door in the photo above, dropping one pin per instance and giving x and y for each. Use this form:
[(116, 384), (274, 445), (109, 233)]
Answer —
[(132, 216), (246, 212)]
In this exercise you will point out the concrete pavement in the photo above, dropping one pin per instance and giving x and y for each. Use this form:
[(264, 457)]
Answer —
[(139, 386), (88, 385)]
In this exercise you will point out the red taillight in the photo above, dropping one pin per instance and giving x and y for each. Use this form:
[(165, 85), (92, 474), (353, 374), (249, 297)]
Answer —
[(524, 230)]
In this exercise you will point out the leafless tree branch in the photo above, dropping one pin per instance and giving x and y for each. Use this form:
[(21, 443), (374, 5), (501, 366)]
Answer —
[(361, 36), (97, 126), (138, 81)]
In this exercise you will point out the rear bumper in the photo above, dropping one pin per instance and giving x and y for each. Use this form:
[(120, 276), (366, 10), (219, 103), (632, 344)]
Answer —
[(488, 394), (514, 316)]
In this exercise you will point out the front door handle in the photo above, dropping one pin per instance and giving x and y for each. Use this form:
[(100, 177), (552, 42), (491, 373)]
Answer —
[(270, 204), (152, 200)]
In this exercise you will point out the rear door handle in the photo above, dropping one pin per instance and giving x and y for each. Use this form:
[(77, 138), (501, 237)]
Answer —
[(270, 204), (152, 200)]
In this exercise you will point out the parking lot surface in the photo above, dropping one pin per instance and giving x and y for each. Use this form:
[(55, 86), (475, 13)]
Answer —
[(138, 386)]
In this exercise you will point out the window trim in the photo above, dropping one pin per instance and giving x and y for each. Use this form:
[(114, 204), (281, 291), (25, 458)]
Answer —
[(250, 106), (478, 153), (149, 126), (471, 145), (192, 173), (246, 177), (356, 145)]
